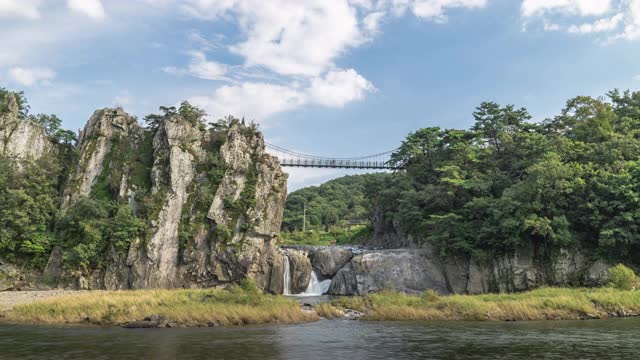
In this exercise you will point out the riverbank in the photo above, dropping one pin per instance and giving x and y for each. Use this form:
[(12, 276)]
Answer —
[(238, 305), (540, 304), (9, 299)]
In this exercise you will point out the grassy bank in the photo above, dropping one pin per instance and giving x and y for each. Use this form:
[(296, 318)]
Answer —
[(195, 307), (540, 304), (336, 236)]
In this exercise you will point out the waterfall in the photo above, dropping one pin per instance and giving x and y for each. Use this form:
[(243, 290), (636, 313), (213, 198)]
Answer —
[(286, 277), (316, 287)]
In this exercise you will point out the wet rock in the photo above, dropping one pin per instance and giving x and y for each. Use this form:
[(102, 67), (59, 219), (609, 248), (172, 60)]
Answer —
[(141, 324), (350, 314)]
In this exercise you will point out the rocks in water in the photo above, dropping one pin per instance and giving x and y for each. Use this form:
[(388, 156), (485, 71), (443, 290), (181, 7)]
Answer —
[(350, 314), (142, 324), (327, 261), (410, 271)]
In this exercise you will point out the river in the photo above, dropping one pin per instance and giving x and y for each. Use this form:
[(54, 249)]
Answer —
[(340, 339)]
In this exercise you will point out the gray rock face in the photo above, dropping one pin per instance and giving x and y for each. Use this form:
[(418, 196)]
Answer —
[(410, 271), (300, 268), (95, 143), (415, 270), (180, 140), (21, 138), (327, 261), (164, 260)]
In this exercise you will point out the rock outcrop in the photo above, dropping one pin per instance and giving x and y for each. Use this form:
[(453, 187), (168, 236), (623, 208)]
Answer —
[(327, 261), (22, 138), (300, 268), (410, 271), (95, 145), (213, 203)]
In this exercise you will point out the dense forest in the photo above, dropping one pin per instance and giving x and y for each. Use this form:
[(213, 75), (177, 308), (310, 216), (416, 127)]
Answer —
[(329, 204), (30, 189), (569, 182)]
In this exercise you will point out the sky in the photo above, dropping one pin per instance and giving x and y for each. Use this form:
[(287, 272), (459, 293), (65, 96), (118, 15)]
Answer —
[(325, 77)]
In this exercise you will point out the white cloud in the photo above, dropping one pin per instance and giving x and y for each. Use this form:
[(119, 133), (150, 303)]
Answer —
[(250, 100), (90, 8), (617, 19), (573, 7), (601, 25), (21, 8), (435, 9), (338, 87), (260, 100), (637, 77), (32, 76), (200, 67), (372, 21), (205, 69)]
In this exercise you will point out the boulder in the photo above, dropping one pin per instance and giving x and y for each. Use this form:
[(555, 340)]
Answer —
[(300, 268), (327, 261), (409, 271)]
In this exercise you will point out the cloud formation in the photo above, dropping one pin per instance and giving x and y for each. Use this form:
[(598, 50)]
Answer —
[(32, 76), (615, 19), (260, 100), (28, 9), (90, 8)]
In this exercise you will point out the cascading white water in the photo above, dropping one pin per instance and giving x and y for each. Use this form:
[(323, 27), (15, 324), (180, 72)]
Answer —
[(286, 277), (316, 287)]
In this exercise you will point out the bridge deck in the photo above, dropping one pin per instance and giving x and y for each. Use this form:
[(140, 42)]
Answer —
[(344, 164)]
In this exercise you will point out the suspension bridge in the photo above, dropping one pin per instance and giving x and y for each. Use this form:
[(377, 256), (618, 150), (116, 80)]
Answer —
[(289, 158)]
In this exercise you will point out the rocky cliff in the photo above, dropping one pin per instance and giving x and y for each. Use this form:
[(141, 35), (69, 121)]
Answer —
[(21, 138), (410, 266), (211, 202)]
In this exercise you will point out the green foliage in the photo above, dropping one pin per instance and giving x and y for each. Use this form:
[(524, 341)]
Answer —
[(28, 206), (623, 278), (335, 236), (21, 101), (91, 227), (330, 203), (507, 183)]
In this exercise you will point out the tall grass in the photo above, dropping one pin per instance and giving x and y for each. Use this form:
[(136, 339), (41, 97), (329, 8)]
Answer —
[(540, 304), (195, 307)]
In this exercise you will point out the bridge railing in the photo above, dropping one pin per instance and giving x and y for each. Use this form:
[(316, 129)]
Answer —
[(335, 163)]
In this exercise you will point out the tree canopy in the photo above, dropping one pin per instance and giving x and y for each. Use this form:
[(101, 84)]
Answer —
[(506, 183)]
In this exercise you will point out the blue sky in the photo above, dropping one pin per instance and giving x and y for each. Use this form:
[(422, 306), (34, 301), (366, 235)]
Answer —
[(327, 77)]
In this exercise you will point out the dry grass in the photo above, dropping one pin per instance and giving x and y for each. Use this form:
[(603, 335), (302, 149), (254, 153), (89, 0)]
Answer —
[(540, 304), (328, 311), (236, 306)]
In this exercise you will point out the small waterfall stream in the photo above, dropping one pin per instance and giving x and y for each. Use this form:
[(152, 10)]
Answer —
[(287, 277), (316, 287)]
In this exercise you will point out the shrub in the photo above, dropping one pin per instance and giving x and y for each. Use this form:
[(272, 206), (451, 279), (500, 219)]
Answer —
[(430, 295), (623, 278)]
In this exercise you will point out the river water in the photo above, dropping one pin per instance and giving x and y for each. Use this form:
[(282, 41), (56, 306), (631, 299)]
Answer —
[(339, 339)]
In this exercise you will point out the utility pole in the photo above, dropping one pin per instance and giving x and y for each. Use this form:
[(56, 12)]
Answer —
[(304, 218)]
